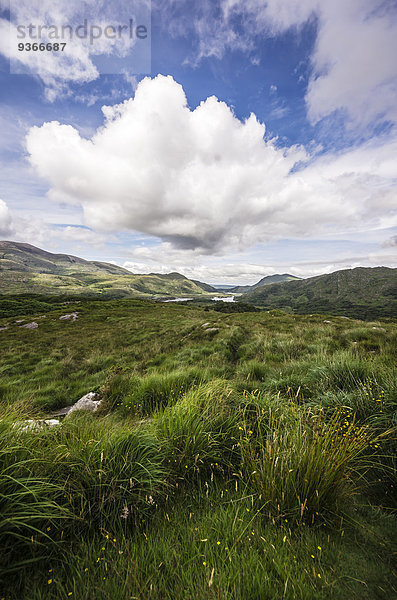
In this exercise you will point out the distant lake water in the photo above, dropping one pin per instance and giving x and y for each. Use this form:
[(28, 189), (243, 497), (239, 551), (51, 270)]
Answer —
[(225, 299), (216, 299), (177, 300)]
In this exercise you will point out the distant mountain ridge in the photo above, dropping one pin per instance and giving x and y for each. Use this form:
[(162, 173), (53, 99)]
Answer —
[(16, 256), (26, 269), (360, 293), (268, 280), (363, 292), (204, 286)]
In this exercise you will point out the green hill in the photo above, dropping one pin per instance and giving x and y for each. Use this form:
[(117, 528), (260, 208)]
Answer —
[(268, 280), (15, 256), (362, 293), (27, 269), (205, 286)]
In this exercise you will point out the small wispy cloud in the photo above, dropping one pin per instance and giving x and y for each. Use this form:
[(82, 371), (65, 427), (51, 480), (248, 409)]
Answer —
[(96, 37), (352, 66)]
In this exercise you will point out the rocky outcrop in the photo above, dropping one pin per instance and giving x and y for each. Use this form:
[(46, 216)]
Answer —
[(33, 325), (70, 317), (34, 425), (89, 402)]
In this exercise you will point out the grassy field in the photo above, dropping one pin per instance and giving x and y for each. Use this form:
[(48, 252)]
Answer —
[(234, 456)]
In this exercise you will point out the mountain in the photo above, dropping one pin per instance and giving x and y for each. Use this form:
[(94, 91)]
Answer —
[(220, 287), (27, 269), (204, 286), (243, 289), (362, 293), (15, 256)]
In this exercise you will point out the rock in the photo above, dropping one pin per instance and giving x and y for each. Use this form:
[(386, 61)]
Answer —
[(33, 325), (204, 325), (379, 328), (3, 328), (51, 422), (19, 321), (71, 317), (330, 322), (33, 425), (26, 425), (87, 402), (212, 329)]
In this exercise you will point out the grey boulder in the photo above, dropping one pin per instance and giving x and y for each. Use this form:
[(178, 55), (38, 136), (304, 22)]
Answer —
[(89, 402)]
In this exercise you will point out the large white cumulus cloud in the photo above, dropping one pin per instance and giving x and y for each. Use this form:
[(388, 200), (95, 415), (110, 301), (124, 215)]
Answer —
[(202, 179)]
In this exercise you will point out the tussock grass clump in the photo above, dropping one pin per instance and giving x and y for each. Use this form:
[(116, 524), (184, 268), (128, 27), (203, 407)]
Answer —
[(372, 402), (115, 389), (28, 516), (233, 344), (198, 435), (342, 372), (157, 390), (299, 464), (253, 370), (87, 473), (109, 470)]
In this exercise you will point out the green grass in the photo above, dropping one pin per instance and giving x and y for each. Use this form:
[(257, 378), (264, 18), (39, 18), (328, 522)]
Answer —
[(302, 466), (254, 559), (256, 461)]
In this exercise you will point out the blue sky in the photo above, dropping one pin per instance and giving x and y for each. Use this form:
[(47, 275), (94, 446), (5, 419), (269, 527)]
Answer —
[(262, 139)]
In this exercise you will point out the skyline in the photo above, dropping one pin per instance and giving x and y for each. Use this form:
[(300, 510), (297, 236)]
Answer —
[(262, 141)]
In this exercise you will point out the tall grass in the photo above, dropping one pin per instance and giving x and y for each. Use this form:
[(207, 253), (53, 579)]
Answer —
[(299, 464), (199, 433), (157, 390), (30, 507), (108, 470)]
